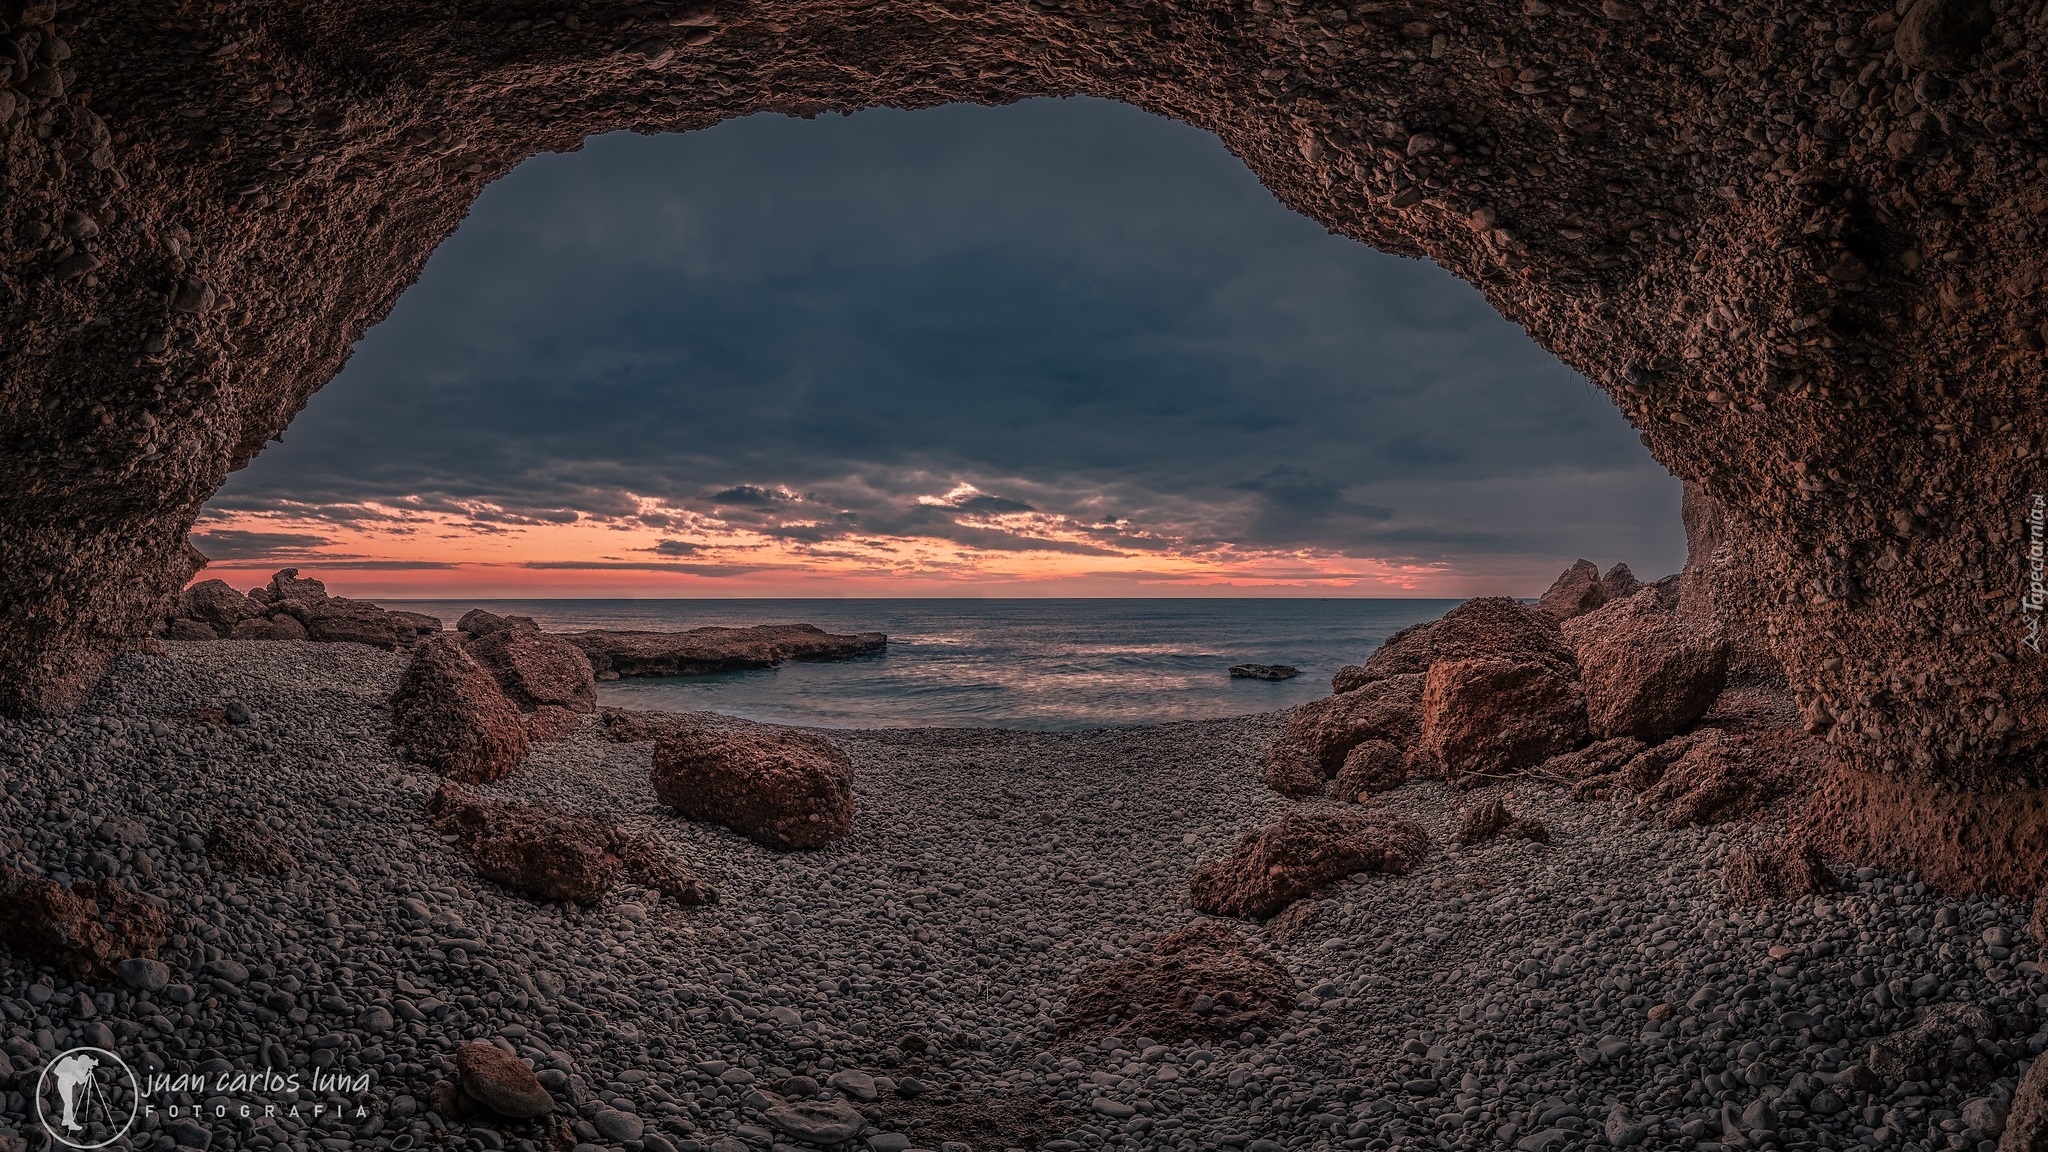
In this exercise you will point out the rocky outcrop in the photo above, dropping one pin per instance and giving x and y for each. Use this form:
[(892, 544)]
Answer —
[(549, 854), (1405, 653), (1777, 870), (1203, 980), (704, 650), (1644, 674), (84, 930), (1491, 718), (477, 622), (219, 607), (291, 607), (535, 669), (278, 627), (450, 715), (1798, 249), (1575, 593), (1299, 854), (549, 723), (779, 788), (1328, 729), (336, 620)]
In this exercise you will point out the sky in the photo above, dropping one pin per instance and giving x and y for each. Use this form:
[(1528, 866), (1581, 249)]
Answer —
[(1061, 348)]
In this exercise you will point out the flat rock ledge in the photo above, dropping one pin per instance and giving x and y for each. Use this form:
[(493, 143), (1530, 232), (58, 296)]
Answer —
[(701, 651)]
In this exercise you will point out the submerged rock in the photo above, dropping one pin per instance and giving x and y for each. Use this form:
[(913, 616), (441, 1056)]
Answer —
[(1264, 671), (705, 650)]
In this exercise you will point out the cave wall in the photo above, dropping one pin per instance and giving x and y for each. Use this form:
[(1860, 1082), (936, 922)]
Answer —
[(1798, 244)]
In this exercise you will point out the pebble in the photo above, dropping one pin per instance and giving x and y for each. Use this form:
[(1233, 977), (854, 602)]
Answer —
[(1509, 995)]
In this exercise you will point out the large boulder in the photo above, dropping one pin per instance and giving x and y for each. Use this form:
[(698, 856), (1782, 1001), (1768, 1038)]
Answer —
[(289, 592), (1619, 584), (778, 788), (336, 620), (1575, 592), (1203, 980), (1328, 729), (1483, 626), (185, 628), (1374, 766), (536, 669), (422, 624), (450, 715), (1644, 673), (279, 627), (218, 606), (1491, 717), (549, 854), (1298, 854), (85, 930)]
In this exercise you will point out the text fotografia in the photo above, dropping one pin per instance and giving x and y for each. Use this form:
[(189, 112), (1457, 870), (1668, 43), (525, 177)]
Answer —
[(2034, 600)]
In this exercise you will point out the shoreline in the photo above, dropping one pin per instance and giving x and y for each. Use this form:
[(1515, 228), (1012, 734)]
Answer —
[(1505, 984)]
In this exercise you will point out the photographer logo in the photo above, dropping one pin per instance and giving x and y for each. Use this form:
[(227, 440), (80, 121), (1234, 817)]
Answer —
[(87, 1098)]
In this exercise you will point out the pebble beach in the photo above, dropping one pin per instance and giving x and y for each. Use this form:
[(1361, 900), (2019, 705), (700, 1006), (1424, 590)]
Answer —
[(1598, 990)]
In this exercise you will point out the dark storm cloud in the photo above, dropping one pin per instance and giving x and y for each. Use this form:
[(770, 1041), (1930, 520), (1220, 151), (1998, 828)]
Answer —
[(805, 327), (236, 544)]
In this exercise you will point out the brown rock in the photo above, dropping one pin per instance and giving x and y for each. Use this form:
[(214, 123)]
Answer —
[(1373, 766), (1203, 980), (422, 624), (450, 715), (1643, 673), (1944, 1046), (1778, 870), (1942, 34), (704, 650), (1710, 775), (1386, 709), (477, 622), (1298, 854), (1619, 584), (288, 591), (85, 930), (336, 620), (1575, 592), (1490, 819), (535, 668), (549, 854), (242, 843), (215, 604), (1405, 653), (189, 630), (501, 1082), (278, 627), (640, 725), (2026, 1126), (782, 789), (1490, 717), (1596, 759), (551, 722), (1291, 770)]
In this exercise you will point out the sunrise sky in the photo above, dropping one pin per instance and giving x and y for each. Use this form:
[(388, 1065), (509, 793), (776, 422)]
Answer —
[(1062, 348)]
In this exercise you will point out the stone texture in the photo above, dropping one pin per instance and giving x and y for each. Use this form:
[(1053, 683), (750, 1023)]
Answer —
[(779, 788), (500, 1082), (1783, 868), (478, 622), (1373, 766), (536, 668), (1493, 718), (1575, 592), (450, 715), (337, 620), (1291, 769), (1405, 653), (1296, 855), (1644, 674), (85, 929), (551, 722), (1943, 1045), (189, 630), (1203, 980), (1490, 819), (2026, 1126), (549, 854), (1328, 729), (216, 605), (704, 650), (278, 627), (243, 843), (1834, 331)]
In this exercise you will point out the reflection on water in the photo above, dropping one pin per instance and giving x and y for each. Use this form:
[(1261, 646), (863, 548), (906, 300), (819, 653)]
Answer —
[(1033, 664)]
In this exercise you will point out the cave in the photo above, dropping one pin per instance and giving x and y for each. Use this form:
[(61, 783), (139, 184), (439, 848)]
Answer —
[(1798, 245)]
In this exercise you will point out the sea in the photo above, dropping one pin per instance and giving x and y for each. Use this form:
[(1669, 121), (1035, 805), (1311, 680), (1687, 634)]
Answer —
[(1032, 664)]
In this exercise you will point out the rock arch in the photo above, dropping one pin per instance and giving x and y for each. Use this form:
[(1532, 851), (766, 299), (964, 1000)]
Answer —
[(1799, 244)]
